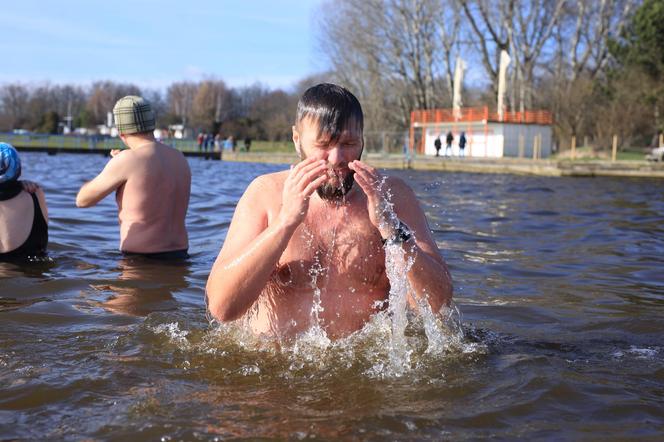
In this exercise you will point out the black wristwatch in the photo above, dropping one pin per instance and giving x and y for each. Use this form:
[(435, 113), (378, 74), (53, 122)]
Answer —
[(401, 234)]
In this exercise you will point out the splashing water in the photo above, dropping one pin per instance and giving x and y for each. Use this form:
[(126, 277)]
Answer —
[(395, 342), (397, 266), (442, 330), (316, 335)]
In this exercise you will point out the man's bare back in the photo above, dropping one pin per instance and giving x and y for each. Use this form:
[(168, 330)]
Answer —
[(153, 182), (152, 204)]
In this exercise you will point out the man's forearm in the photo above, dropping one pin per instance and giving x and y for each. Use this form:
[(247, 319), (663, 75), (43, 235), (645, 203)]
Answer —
[(235, 283), (429, 278)]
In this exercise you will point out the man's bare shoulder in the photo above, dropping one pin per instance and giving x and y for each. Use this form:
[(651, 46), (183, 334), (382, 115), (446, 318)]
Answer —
[(267, 187), (167, 148), (271, 182), (155, 148), (400, 192), (397, 185), (146, 154), (123, 160)]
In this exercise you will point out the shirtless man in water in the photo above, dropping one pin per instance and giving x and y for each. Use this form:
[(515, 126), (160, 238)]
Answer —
[(317, 230), (152, 183)]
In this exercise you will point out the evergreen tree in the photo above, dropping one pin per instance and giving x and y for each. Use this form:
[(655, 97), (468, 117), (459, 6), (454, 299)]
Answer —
[(640, 52)]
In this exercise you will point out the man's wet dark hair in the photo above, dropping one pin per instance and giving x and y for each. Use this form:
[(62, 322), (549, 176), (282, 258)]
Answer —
[(333, 107)]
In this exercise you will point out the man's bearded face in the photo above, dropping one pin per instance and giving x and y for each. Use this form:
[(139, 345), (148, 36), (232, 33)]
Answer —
[(337, 185), (338, 153)]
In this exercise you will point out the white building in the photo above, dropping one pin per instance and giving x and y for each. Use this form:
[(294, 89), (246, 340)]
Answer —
[(518, 135)]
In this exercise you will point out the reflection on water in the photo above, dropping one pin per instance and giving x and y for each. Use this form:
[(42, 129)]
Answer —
[(144, 286), (559, 282)]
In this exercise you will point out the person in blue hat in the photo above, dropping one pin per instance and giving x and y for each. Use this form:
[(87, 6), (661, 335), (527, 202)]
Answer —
[(23, 211)]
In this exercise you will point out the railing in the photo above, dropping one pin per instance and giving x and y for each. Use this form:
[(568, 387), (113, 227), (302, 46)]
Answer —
[(81, 141), (479, 114), (528, 117)]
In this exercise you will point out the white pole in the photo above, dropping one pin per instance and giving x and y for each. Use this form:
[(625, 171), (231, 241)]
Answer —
[(457, 102), (502, 72)]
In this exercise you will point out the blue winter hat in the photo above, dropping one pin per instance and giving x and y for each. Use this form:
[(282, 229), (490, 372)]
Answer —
[(10, 164)]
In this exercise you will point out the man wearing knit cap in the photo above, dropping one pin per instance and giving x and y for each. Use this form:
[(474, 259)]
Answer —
[(152, 183)]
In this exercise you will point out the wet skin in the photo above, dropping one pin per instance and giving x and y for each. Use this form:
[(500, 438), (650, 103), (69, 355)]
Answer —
[(142, 176), (286, 245)]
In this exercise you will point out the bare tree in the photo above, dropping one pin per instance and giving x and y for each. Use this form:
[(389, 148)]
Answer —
[(450, 34), (103, 96), (522, 28), (393, 53), (590, 24), (180, 99), (534, 23), (14, 99), (582, 38), (491, 22), (210, 105), (275, 113), (159, 105), (68, 101), (349, 37)]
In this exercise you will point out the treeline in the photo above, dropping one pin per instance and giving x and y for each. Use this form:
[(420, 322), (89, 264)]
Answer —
[(209, 105), (597, 65)]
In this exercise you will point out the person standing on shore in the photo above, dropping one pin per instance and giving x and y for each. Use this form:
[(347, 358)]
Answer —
[(228, 143), (209, 142), (448, 144), (199, 139), (462, 144), (217, 142), (152, 183), (437, 144)]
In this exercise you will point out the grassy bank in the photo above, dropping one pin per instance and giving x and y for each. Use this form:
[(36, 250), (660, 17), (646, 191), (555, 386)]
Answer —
[(590, 154), (76, 142)]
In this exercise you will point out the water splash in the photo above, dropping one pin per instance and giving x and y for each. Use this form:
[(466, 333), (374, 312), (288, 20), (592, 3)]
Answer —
[(394, 343), (174, 333), (397, 266), (319, 274)]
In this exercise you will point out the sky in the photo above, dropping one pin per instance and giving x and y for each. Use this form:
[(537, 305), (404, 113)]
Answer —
[(154, 43)]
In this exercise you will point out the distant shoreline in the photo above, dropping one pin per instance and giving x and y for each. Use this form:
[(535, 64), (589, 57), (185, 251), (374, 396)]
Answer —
[(517, 166)]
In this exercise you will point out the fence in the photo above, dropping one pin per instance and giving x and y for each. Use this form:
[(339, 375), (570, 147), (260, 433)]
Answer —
[(385, 142), (82, 142), (474, 114)]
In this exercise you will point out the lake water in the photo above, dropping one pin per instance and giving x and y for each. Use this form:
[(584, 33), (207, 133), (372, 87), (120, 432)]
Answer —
[(560, 284)]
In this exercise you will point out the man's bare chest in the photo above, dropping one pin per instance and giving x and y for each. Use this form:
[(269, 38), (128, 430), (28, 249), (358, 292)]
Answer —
[(336, 255)]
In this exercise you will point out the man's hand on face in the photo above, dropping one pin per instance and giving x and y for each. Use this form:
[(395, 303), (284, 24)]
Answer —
[(115, 152), (302, 181), (372, 183)]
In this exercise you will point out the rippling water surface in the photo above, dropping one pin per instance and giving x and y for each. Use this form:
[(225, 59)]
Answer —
[(560, 283)]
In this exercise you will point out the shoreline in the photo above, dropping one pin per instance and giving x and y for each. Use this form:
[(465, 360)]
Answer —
[(517, 166)]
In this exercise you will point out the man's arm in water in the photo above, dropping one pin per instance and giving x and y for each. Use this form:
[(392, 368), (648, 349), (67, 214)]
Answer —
[(252, 249), (429, 277), (113, 176)]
